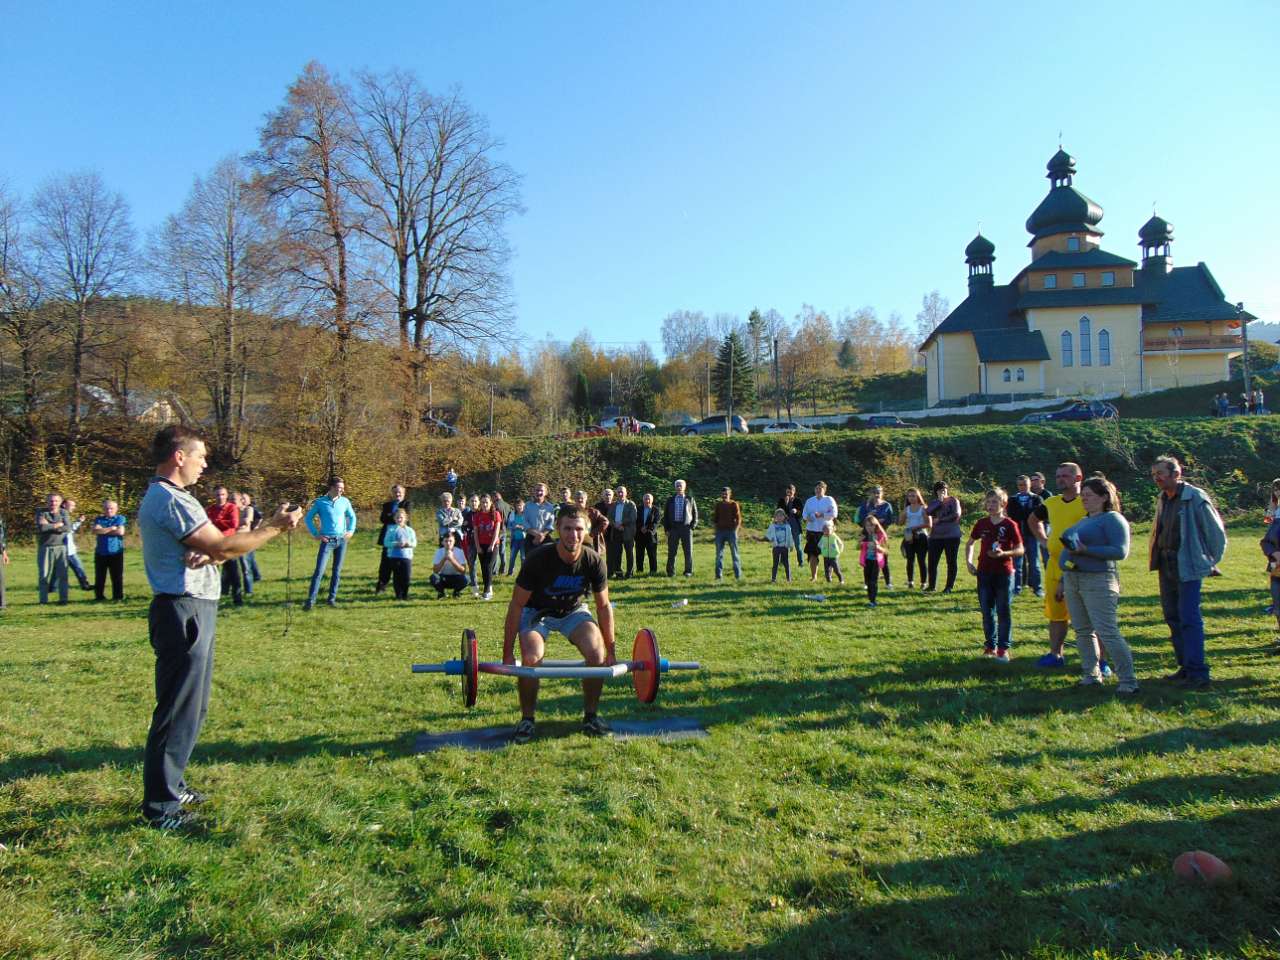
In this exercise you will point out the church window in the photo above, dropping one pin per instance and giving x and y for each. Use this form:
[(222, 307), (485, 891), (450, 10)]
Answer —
[(1108, 278), (1007, 376), (1104, 348), (1086, 343), (1073, 244), (1022, 375), (1050, 281), (1077, 279), (1068, 355)]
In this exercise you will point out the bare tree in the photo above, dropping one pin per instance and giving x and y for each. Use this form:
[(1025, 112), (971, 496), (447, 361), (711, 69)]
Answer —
[(23, 316), (438, 202), (934, 308), (217, 256), (304, 165), (83, 232)]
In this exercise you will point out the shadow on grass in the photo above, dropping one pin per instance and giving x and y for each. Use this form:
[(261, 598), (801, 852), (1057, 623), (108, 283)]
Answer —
[(1041, 897)]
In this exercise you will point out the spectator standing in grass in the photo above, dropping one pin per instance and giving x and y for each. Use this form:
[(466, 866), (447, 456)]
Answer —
[(539, 518), (1259, 401), (251, 558), (916, 520), (249, 520), (679, 518), (468, 541), (486, 532), (944, 536), (621, 535), (1090, 583), (1054, 515), (451, 479), (4, 562), (830, 546), (504, 509), (873, 553), (449, 567), (793, 507), (877, 506), (399, 542), (179, 546), (1187, 542), (647, 534), (1040, 490), (1026, 570), (601, 520), (727, 516), (517, 523), (331, 520), (1270, 544), (819, 510), (448, 519), (73, 554), (387, 517), (999, 541), (780, 538), (224, 514), (108, 552), (52, 524)]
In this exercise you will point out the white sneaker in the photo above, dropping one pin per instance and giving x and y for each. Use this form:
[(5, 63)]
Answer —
[(488, 595)]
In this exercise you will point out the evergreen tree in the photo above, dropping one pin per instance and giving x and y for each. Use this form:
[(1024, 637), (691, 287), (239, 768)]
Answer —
[(581, 397), (846, 358), (733, 355)]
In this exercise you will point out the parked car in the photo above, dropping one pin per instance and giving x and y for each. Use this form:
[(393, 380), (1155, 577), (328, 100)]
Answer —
[(1040, 416), (888, 420), (786, 426), (1085, 410), (611, 423), (713, 425)]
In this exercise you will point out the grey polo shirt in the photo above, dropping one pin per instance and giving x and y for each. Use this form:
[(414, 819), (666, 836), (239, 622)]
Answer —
[(167, 516)]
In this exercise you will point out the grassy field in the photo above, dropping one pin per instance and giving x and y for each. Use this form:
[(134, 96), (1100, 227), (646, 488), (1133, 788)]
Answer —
[(869, 788)]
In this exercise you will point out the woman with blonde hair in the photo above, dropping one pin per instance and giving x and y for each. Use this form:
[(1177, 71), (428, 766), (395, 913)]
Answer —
[(915, 539)]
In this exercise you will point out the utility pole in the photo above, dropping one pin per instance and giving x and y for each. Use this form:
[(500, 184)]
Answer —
[(611, 388), (777, 386), (1244, 359), (708, 410), (430, 408), (728, 420)]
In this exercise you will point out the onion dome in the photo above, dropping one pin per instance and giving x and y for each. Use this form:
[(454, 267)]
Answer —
[(1061, 166), (1065, 209), (979, 251), (1155, 232)]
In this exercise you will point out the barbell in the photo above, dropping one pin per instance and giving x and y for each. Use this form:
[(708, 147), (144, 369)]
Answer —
[(646, 667)]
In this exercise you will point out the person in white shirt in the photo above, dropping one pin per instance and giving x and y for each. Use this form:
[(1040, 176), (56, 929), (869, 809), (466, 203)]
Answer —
[(449, 567), (73, 558), (819, 510)]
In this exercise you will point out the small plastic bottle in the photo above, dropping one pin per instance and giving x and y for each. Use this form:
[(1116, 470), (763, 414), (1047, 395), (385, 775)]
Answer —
[(680, 603)]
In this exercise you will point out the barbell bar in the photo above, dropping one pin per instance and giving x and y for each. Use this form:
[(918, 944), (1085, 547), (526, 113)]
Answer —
[(646, 667)]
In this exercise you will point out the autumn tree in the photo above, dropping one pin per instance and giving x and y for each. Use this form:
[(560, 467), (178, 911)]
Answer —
[(26, 321)]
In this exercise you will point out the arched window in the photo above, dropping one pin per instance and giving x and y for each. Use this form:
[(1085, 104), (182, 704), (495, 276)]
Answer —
[(1086, 343), (1006, 376), (1104, 348), (1022, 375), (1068, 355)]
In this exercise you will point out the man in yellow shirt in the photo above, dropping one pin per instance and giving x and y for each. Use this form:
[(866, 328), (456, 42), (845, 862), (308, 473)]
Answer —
[(1057, 513)]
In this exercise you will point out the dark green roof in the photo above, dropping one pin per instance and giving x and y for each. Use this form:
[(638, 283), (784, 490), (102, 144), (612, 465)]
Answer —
[(1061, 165), (1185, 293), (1057, 260), (985, 308), (1004, 346), (1064, 210), (1155, 231), (980, 250)]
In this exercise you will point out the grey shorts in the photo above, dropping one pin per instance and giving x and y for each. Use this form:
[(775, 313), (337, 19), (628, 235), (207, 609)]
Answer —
[(546, 623)]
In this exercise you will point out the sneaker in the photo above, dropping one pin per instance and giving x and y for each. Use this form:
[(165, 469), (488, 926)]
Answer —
[(596, 727), (988, 650), (1088, 682), (307, 605), (173, 822), (911, 584), (1040, 592), (1017, 591), (488, 595), (1126, 691), (1175, 677), (191, 798), (331, 602), (871, 603), (1104, 668), (1195, 684), (888, 586), (457, 594), (1002, 655), (1051, 661), (379, 588), (524, 731)]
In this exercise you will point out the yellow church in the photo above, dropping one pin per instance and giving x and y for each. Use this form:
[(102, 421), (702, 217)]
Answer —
[(1078, 320)]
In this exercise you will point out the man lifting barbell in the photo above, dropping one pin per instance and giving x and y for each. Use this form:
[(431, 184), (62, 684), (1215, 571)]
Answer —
[(548, 596)]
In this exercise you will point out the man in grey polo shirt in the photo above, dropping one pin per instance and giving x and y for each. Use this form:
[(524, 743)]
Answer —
[(180, 551)]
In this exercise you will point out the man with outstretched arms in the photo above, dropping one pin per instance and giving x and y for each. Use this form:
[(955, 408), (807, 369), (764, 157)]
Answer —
[(548, 596)]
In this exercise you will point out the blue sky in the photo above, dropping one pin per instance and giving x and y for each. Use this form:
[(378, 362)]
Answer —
[(714, 156)]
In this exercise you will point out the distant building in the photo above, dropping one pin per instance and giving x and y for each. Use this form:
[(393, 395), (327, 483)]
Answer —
[(1080, 320)]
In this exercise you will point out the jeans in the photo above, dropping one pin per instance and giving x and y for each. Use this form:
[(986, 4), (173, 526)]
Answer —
[(246, 575), (335, 547), (1092, 599), (231, 581), (1180, 601), (1027, 567), (831, 565), (251, 561), (76, 567), (517, 552), (937, 546), (731, 538), (797, 534), (994, 594), (782, 555)]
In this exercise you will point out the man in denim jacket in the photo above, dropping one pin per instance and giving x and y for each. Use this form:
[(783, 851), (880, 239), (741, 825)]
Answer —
[(1187, 542)]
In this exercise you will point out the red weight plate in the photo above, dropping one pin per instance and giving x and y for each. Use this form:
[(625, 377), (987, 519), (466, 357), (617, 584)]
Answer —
[(470, 668), (645, 650)]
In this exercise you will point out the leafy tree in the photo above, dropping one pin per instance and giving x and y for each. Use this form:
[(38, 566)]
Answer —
[(846, 358), (733, 376)]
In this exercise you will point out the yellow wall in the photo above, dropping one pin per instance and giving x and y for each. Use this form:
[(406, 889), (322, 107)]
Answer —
[(1088, 241), (1124, 325), (959, 365), (931, 373), (1189, 370)]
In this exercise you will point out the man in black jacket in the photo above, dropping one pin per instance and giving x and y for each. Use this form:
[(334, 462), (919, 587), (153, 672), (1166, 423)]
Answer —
[(1026, 568), (647, 534), (679, 517), (793, 507), (388, 520)]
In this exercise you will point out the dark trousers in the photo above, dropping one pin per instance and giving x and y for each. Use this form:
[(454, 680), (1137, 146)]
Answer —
[(1180, 602), (76, 567), (487, 556), (679, 536), (181, 631), (616, 546), (647, 546), (937, 547), (781, 555), (1027, 567), (457, 582), (385, 570), (231, 581), (995, 591), (831, 565), (401, 570), (871, 577), (112, 564), (917, 558)]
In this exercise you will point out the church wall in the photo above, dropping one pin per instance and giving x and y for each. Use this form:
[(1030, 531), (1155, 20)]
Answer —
[(1190, 369), (1123, 323), (959, 365)]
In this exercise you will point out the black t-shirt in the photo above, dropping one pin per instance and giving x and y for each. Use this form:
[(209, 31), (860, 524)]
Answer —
[(558, 587)]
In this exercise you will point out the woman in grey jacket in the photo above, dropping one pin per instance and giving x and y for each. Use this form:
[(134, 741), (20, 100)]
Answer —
[(1091, 584)]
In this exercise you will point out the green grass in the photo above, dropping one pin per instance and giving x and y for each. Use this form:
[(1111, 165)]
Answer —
[(868, 788)]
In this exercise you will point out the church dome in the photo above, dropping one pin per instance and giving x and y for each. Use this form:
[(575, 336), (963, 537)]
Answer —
[(1061, 165), (1155, 232), (979, 251)]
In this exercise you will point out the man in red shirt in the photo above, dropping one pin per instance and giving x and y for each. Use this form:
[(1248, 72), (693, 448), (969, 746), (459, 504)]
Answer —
[(1000, 542), (225, 517)]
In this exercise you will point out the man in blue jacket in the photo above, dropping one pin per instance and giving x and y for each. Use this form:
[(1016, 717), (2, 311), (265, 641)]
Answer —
[(1187, 542), (332, 521)]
